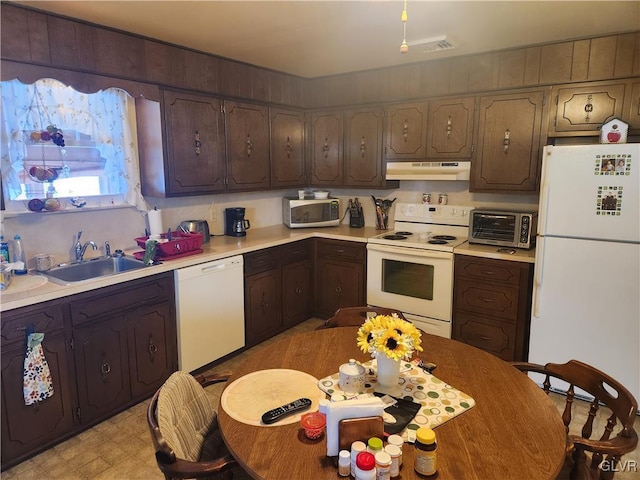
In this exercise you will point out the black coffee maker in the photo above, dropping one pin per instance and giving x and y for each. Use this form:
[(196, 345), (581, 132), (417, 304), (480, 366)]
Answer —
[(235, 224)]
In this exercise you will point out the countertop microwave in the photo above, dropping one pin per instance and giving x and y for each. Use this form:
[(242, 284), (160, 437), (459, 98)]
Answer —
[(504, 228), (310, 212)]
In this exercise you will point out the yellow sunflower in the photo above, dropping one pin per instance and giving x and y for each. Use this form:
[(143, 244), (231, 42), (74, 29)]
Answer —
[(365, 336), (409, 334), (390, 343)]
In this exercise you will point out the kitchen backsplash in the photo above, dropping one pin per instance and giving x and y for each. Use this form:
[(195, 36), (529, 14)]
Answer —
[(55, 233)]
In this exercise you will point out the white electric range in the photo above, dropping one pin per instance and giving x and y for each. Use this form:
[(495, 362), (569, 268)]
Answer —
[(411, 268)]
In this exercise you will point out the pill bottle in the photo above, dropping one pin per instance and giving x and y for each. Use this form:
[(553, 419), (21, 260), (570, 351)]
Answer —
[(356, 448), (374, 445), (344, 463), (398, 442), (383, 466), (365, 466), (395, 453), (4, 250), (426, 449)]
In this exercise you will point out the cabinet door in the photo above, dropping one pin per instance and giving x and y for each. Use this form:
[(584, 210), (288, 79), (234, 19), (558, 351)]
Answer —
[(263, 313), (326, 149), (297, 298), (28, 428), (633, 110), (152, 348), (583, 110), (363, 141), (508, 141), (102, 368), (247, 146), (338, 284), (194, 133), (287, 148), (406, 130), (450, 131)]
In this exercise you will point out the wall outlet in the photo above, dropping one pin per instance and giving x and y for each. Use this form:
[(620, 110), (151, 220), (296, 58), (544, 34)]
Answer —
[(213, 213)]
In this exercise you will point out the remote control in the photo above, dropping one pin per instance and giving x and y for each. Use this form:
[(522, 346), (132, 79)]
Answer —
[(276, 414)]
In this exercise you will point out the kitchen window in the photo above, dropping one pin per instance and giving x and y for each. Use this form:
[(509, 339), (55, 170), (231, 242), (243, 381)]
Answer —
[(72, 148)]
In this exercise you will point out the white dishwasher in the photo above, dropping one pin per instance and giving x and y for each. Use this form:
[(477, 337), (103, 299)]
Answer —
[(210, 310)]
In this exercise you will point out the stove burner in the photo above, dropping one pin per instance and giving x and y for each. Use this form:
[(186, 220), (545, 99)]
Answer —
[(437, 242), (443, 237), (394, 236), (406, 234)]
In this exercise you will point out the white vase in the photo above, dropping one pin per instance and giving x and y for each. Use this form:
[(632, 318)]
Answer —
[(388, 372)]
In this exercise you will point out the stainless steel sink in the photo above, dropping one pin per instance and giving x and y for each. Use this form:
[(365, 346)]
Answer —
[(94, 268)]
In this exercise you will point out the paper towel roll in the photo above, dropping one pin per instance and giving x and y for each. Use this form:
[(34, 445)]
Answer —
[(155, 222)]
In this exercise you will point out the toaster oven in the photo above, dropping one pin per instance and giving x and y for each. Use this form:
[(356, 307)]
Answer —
[(504, 228)]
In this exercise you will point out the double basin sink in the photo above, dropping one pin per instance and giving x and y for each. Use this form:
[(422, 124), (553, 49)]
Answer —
[(67, 273)]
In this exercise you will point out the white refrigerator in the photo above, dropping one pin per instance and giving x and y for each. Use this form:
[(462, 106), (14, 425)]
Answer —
[(586, 297)]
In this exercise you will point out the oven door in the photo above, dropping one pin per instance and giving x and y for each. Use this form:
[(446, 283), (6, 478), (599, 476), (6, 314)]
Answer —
[(411, 280)]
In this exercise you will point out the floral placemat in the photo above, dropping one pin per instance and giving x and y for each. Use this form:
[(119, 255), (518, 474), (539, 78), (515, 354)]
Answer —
[(440, 402)]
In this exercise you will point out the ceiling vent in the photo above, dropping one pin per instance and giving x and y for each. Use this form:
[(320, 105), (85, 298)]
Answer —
[(434, 44)]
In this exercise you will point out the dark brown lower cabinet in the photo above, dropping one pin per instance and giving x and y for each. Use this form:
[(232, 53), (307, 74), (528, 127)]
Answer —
[(340, 275), (277, 289), (492, 305), (107, 349)]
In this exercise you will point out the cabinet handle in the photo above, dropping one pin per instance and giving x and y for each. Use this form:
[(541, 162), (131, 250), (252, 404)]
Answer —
[(298, 290), (449, 126), (152, 348), (197, 143), (105, 368), (265, 303), (339, 288), (483, 337), (506, 141), (588, 108), (339, 250), (489, 273), (289, 148), (486, 300), (405, 131), (249, 146), (325, 149), (363, 146)]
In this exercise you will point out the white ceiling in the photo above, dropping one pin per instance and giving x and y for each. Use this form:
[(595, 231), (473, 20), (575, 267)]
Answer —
[(317, 38)]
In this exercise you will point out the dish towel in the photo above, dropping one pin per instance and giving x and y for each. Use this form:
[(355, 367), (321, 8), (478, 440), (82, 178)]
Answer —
[(37, 385)]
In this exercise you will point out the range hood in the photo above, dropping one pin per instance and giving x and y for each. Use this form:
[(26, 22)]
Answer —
[(428, 170)]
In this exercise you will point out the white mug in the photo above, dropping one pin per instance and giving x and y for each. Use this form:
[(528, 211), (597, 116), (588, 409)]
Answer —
[(44, 262)]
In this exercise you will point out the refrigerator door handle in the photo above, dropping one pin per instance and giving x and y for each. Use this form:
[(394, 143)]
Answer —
[(544, 195), (537, 277)]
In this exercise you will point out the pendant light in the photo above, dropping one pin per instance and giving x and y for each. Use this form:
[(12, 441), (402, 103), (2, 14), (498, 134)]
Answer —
[(404, 47)]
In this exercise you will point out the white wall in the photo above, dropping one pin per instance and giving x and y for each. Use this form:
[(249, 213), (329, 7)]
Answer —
[(55, 232)]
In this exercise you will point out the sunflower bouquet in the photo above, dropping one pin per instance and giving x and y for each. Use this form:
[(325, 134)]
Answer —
[(389, 335)]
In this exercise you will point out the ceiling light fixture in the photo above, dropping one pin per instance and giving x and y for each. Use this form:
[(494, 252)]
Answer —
[(404, 47)]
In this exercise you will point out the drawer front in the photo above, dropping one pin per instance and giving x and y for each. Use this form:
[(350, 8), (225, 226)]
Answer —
[(491, 336), (487, 299), (295, 252), (339, 250), (488, 270), (44, 318), (119, 298), (261, 261)]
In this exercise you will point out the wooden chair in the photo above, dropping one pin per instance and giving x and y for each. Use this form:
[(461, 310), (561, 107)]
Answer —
[(356, 316), (184, 429), (620, 412)]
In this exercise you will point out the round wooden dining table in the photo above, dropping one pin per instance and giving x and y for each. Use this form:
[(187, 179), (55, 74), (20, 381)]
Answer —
[(514, 431)]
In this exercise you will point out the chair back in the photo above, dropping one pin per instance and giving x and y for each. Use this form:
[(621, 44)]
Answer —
[(356, 316), (606, 436)]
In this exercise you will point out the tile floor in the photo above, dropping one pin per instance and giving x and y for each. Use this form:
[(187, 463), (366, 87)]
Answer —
[(120, 448)]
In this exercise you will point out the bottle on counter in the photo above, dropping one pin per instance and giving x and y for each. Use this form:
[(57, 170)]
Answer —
[(19, 255), (396, 454), (398, 442), (356, 448), (383, 466), (426, 451), (374, 445)]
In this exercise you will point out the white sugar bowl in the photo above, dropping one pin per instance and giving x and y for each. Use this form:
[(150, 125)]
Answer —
[(351, 377)]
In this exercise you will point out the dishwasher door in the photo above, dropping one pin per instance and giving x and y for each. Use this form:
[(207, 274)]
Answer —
[(210, 310)]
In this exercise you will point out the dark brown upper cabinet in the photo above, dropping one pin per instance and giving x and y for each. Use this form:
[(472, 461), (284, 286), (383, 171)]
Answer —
[(406, 131), (287, 148), (450, 128)]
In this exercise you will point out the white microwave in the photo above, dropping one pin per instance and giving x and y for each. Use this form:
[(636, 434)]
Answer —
[(310, 212)]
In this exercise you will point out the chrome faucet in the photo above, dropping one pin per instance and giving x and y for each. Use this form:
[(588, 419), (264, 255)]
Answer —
[(80, 249)]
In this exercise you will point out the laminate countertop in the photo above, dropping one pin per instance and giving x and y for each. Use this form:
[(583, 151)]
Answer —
[(25, 291)]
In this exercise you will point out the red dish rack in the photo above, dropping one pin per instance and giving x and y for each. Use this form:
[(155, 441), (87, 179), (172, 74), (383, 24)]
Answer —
[(180, 245)]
